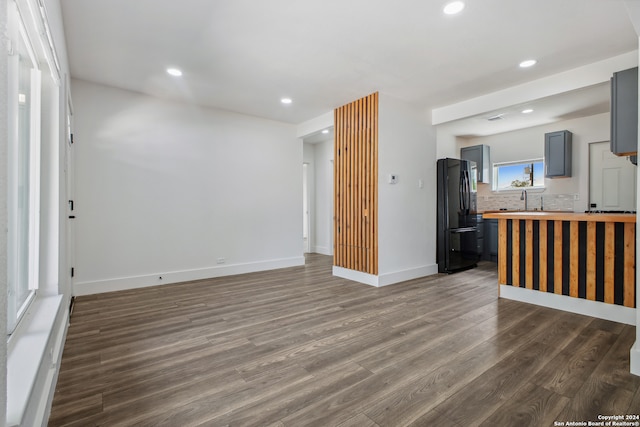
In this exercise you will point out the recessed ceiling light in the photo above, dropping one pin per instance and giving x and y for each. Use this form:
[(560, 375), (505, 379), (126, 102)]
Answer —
[(527, 111), (174, 72), (326, 131), (453, 7), (528, 63), (286, 100)]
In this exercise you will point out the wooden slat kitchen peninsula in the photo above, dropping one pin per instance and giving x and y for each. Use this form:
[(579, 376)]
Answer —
[(579, 262)]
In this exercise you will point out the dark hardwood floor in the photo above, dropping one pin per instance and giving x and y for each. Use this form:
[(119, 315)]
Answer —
[(298, 347)]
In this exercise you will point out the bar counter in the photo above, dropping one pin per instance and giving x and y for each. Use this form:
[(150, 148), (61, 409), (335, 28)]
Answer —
[(587, 257)]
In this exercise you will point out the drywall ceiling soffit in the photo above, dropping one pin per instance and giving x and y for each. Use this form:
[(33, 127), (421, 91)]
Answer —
[(574, 104), (245, 55)]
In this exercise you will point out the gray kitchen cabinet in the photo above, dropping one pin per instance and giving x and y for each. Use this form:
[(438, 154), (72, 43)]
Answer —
[(481, 154), (557, 154), (624, 112), (490, 252)]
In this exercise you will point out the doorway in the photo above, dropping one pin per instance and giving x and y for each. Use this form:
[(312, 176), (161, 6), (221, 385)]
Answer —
[(305, 209), (612, 180)]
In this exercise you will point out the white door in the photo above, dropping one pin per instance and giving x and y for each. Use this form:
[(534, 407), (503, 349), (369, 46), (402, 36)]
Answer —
[(305, 208), (332, 214), (612, 180), (71, 205)]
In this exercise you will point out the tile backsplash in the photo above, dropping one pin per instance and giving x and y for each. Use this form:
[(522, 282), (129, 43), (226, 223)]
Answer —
[(511, 200)]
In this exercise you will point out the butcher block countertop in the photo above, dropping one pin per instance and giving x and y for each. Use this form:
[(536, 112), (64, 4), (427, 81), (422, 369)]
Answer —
[(562, 216)]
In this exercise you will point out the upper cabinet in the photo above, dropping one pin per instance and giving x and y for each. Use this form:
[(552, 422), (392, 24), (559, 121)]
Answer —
[(480, 154), (557, 154), (624, 112)]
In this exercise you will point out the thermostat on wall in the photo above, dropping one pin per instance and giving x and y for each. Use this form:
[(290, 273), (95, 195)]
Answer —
[(393, 178)]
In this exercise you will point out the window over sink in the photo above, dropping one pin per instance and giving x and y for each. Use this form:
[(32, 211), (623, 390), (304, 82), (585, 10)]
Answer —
[(518, 175)]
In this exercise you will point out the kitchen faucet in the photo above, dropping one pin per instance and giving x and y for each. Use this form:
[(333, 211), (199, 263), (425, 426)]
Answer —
[(523, 196)]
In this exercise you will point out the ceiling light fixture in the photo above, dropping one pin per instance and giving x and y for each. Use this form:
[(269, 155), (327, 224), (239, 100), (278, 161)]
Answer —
[(174, 72), (528, 63), (326, 131), (527, 111), (453, 7), (286, 100)]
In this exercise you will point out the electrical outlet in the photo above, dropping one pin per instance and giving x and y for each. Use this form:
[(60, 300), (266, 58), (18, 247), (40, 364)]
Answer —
[(576, 197), (221, 260)]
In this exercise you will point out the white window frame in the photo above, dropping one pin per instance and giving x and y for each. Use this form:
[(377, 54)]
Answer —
[(495, 171), (17, 309)]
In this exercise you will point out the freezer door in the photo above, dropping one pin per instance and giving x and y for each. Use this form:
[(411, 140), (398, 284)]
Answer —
[(463, 248)]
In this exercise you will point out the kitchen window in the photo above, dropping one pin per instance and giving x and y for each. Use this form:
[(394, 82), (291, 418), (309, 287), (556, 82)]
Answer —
[(23, 170), (518, 175)]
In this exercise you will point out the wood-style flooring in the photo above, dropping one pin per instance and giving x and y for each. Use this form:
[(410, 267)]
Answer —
[(299, 347)]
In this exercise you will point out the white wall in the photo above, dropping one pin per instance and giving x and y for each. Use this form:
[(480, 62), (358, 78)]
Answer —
[(528, 143), (50, 188), (309, 157), (324, 198), (166, 189), (407, 221), (4, 223), (447, 145)]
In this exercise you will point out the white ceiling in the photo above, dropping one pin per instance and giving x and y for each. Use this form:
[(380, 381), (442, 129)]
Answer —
[(244, 55)]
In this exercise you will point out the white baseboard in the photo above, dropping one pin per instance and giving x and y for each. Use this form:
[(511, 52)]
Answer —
[(125, 283), (356, 276), (385, 279), (410, 274), (635, 359), (601, 310), (322, 250)]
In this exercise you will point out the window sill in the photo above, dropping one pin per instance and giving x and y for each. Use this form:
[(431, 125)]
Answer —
[(30, 350)]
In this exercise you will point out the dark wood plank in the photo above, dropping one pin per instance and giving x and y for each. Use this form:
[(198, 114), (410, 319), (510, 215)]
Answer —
[(298, 346), (488, 392), (530, 406), (566, 372)]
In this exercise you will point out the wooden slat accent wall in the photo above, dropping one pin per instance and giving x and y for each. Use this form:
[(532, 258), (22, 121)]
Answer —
[(356, 185), (580, 259)]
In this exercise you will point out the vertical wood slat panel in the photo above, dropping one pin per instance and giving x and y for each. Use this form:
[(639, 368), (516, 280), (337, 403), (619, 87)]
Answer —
[(574, 259), (502, 253), (337, 174), (355, 170), (629, 264), (529, 255), (363, 226), (515, 252), (374, 177), (609, 261), (338, 164), (366, 195), (591, 260), (542, 265), (557, 257), (356, 185), (352, 148)]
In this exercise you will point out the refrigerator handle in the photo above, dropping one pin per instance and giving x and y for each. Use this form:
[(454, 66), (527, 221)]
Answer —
[(468, 203), (461, 191), (463, 196)]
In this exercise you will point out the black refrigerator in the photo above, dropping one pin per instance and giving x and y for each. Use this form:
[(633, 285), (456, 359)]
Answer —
[(457, 246)]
